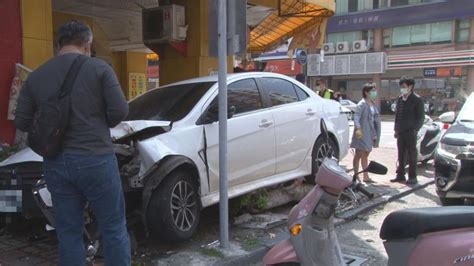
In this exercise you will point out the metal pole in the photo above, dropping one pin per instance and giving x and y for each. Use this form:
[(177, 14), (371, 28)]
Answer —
[(223, 166)]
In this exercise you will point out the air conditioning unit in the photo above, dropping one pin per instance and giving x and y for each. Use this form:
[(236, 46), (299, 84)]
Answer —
[(329, 48), (342, 47), (164, 24), (359, 46)]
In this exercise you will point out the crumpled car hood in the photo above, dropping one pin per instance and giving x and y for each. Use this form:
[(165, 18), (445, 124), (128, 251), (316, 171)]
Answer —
[(123, 130), (25, 155), (128, 128)]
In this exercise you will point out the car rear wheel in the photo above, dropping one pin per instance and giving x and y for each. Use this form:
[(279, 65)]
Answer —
[(321, 151), (451, 201), (173, 212)]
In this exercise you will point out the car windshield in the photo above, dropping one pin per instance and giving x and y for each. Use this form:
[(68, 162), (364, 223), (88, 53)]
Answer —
[(169, 103), (467, 111)]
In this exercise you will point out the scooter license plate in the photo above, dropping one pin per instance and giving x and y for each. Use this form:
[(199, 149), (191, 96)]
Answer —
[(11, 201)]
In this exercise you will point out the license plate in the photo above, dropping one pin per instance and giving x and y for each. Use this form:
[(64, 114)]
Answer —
[(11, 200)]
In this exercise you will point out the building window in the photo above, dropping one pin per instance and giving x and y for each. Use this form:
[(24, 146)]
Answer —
[(387, 37), (399, 2), (462, 30), (438, 32), (441, 32), (380, 4), (410, 2), (353, 5), (420, 34), (401, 36), (346, 6)]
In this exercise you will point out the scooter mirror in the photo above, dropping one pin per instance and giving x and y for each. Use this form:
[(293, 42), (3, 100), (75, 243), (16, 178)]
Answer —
[(376, 168), (324, 131)]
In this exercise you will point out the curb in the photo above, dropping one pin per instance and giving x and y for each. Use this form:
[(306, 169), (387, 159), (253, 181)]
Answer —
[(256, 255)]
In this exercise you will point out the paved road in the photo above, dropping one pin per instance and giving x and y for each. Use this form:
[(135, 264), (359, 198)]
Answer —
[(361, 237)]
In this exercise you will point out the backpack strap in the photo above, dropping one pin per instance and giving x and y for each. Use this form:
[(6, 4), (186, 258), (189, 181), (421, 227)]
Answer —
[(71, 76)]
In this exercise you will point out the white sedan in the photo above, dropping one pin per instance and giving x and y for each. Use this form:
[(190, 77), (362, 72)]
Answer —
[(168, 147)]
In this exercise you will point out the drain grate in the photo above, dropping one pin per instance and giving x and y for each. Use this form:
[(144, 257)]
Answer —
[(354, 260)]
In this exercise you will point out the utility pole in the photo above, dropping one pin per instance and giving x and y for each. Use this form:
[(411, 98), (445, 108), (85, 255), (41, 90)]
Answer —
[(223, 154)]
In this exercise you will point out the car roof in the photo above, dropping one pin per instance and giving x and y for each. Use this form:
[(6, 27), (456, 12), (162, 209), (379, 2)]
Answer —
[(214, 78)]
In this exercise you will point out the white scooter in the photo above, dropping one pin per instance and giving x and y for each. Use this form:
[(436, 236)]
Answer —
[(427, 139)]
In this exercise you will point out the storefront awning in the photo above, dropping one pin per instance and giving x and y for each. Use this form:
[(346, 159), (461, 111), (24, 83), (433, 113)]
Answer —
[(293, 18)]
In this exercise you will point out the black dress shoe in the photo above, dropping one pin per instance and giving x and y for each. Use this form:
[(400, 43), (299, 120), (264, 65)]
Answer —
[(412, 181), (398, 180)]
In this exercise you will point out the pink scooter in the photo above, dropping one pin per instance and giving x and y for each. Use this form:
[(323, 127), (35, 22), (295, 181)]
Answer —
[(430, 236), (313, 239), (413, 237)]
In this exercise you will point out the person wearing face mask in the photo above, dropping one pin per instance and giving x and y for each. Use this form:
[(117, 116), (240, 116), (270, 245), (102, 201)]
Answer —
[(366, 129), (85, 170), (323, 91), (409, 118)]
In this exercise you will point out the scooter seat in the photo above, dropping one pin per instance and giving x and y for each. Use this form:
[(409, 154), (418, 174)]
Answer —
[(411, 223)]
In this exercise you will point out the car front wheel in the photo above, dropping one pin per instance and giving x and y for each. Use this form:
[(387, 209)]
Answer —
[(173, 212), (321, 151)]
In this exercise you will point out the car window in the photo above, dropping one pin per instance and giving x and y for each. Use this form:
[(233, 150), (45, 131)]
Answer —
[(169, 104), (243, 95), (302, 95), (280, 91)]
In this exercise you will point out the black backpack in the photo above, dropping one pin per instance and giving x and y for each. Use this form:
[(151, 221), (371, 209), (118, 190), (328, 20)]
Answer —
[(52, 118)]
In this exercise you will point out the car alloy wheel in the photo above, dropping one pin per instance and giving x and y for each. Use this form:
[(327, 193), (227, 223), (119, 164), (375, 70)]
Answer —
[(324, 151), (174, 211), (183, 205)]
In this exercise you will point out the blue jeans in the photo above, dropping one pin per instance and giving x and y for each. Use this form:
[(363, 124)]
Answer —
[(74, 180)]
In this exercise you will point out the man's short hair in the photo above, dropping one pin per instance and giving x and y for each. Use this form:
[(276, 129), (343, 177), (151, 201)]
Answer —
[(74, 33), (409, 81)]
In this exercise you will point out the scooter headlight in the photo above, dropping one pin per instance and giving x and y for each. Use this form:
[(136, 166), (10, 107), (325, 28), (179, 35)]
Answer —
[(296, 229)]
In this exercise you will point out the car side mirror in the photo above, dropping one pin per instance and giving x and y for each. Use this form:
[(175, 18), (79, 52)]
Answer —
[(212, 114), (448, 117)]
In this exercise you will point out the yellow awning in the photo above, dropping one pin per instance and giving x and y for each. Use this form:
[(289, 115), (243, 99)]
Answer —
[(296, 18)]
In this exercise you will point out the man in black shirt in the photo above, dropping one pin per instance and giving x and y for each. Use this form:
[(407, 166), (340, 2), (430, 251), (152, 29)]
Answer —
[(86, 171), (409, 119)]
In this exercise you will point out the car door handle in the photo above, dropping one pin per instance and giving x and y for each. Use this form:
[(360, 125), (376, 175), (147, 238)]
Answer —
[(310, 112), (265, 123)]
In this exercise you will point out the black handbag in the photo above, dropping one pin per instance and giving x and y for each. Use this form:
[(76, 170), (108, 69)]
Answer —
[(52, 119)]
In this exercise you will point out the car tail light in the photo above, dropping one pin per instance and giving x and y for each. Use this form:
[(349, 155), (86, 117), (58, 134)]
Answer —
[(445, 126)]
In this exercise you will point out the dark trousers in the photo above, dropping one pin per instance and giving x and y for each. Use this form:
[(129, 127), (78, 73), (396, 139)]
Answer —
[(74, 180), (406, 143)]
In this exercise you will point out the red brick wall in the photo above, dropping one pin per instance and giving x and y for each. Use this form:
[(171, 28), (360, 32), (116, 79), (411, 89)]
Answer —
[(10, 53)]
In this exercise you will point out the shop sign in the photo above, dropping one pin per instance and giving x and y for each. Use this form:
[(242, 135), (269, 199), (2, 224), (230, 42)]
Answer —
[(449, 72), (390, 17), (429, 72), (283, 67), (153, 71), (442, 72), (136, 84), (301, 57)]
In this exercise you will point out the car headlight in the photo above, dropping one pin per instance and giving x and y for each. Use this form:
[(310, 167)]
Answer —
[(452, 151)]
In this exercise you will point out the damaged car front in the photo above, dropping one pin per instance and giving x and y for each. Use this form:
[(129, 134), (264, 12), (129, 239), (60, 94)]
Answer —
[(139, 148), (167, 149)]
